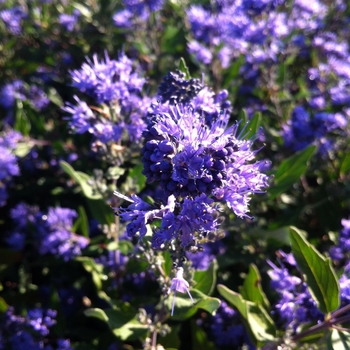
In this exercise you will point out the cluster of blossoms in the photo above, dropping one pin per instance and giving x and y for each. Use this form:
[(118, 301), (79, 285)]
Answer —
[(31, 331), (225, 329), (256, 29), (136, 11), (295, 305), (303, 130), (69, 21), (52, 231), (12, 18), (8, 162), (199, 163), (19, 90), (116, 88)]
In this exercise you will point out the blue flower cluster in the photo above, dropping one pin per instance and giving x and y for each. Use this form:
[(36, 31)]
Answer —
[(303, 130), (12, 19), (8, 162), (30, 332), (19, 90), (199, 163), (136, 11), (117, 86), (295, 305), (225, 329), (51, 231)]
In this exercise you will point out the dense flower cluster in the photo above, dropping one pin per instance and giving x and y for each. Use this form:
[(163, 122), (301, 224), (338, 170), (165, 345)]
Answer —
[(51, 231), (303, 130), (30, 332), (136, 11), (295, 305), (199, 163), (225, 329), (115, 84), (12, 19), (8, 162), (19, 90)]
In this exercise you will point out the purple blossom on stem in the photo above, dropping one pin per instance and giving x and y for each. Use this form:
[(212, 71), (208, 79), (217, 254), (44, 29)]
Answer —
[(179, 284)]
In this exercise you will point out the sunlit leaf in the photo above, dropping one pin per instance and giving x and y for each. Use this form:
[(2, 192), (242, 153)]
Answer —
[(320, 276)]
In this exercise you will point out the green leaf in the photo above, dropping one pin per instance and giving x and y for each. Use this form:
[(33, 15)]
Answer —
[(96, 270), (252, 290), (136, 174), (23, 148), (206, 280), (22, 123), (200, 339), (54, 97), (168, 263), (183, 68), (101, 211), (345, 164), (320, 276), (82, 179), (257, 321), (122, 321), (185, 309), (252, 127), (82, 223), (125, 247), (338, 340), (3, 305), (290, 171), (97, 313)]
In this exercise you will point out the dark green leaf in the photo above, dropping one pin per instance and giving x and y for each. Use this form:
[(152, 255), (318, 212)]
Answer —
[(257, 321), (102, 212), (200, 339), (206, 280), (251, 289), (290, 171), (320, 276)]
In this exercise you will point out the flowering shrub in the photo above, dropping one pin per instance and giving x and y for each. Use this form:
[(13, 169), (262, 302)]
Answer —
[(174, 175)]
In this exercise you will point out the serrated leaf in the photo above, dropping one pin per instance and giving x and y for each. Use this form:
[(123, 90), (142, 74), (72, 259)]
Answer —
[(257, 321), (206, 280), (252, 290), (183, 68), (82, 179), (320, 276), (290, 171)]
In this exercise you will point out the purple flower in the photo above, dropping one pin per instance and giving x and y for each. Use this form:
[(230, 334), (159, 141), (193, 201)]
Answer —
[(10, 92), (12, 18), (179, 284), (69, 21)]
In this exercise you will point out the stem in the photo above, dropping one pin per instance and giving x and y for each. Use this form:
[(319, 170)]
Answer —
[(154, 340)]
